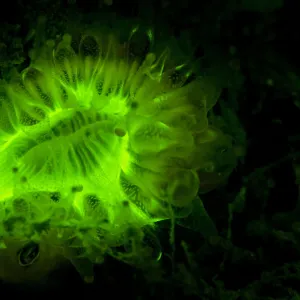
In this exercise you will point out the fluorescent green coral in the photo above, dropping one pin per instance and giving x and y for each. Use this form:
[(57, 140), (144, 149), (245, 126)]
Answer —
[(95, 142)]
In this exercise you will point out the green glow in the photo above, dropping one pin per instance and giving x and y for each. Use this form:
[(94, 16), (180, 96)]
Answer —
[(151, 36), (96, 144), (133, 31)]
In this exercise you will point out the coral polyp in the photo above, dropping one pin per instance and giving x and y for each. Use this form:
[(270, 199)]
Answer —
[(96, 142)]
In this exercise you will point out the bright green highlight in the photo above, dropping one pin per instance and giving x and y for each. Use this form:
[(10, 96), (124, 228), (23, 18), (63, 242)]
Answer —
[(94, 144)]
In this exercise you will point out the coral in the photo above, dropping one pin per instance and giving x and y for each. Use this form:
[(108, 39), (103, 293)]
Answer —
[(96, 144)]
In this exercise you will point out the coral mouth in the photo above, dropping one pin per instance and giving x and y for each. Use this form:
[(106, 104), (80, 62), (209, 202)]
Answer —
[(68, 146)]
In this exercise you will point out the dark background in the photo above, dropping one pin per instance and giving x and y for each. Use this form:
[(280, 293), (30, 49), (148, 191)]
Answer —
[(261, 259)]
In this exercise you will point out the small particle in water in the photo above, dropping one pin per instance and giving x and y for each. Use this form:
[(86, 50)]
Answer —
[(119, 132)]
